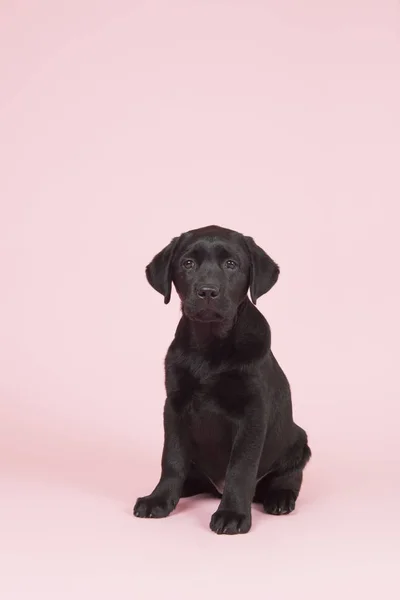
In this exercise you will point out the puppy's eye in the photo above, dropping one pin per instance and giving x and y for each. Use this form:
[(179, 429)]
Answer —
[(188, 264), (230, 264)]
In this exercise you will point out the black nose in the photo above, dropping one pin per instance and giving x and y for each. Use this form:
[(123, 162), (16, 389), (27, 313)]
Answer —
[(208, 292)]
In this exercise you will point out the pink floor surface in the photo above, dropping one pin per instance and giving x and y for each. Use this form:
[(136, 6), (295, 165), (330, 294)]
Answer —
[(67, 531)]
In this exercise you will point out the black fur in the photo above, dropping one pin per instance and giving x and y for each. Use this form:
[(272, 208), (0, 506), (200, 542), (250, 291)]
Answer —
[(228, 422)]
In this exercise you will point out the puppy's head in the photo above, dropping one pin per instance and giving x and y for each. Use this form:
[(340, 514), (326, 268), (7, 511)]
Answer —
[(212, 269)]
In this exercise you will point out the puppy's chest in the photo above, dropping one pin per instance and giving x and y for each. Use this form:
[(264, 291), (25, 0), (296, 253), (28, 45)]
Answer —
[(211, 403), (210, 423), (200, 390)]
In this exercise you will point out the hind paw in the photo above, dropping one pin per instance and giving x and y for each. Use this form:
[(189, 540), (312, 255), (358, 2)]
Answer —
[(280, 502)]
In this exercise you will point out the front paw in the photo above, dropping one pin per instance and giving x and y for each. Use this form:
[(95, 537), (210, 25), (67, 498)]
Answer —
[(155, 507), (230, 522)]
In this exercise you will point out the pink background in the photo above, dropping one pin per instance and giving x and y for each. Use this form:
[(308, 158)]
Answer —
[(120, 118)]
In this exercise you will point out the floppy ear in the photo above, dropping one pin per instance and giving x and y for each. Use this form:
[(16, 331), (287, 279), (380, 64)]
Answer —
[(159, 271), (264, 272)]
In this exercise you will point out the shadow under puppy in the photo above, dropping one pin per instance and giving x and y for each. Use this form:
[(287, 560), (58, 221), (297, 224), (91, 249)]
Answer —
[(228, 420)]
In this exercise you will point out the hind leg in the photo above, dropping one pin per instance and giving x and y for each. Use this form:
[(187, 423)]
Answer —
[(278, 491)]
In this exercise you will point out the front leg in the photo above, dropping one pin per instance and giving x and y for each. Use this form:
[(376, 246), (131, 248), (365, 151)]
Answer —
[(234, 512), (174, 468)]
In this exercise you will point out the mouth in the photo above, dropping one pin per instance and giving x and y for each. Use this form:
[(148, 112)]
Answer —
[(205, 315)]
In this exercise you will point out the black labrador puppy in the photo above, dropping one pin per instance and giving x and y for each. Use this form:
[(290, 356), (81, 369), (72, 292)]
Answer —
[(228, 421)]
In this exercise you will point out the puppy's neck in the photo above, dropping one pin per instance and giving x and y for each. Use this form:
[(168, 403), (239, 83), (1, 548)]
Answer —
[(202, 334)]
